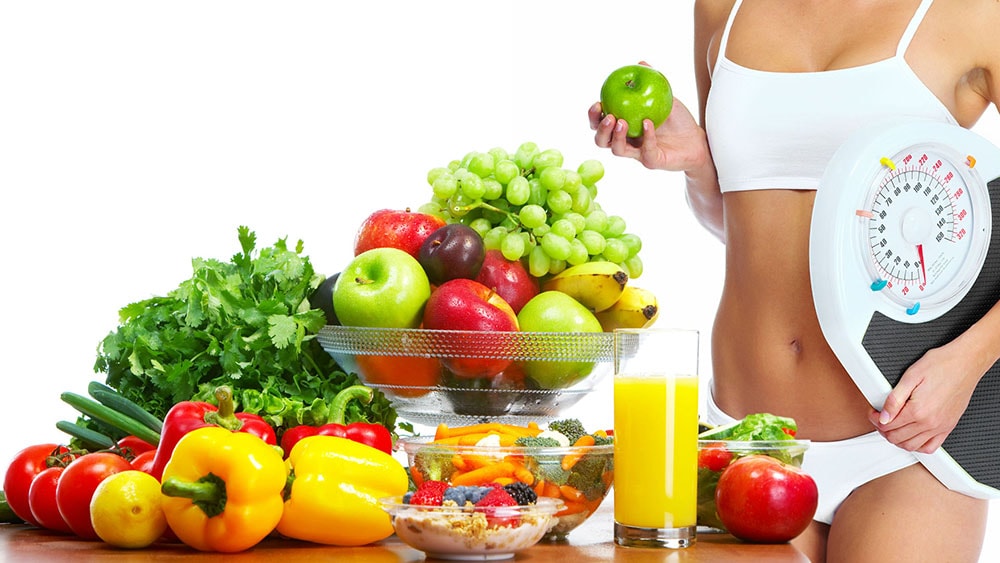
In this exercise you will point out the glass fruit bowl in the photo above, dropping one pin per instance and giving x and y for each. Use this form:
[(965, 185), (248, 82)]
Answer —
[(581, 489), (471, 533), (458, 376), (714, 456)]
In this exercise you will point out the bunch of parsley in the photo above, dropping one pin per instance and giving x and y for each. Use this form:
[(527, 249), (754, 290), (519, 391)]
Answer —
[(247, 324)]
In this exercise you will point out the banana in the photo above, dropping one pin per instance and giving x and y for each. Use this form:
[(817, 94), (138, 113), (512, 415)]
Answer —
[(596, 285), (636, 308)]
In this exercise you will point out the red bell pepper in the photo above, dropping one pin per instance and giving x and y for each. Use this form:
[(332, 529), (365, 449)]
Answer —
[(374, 435), (186, 416)]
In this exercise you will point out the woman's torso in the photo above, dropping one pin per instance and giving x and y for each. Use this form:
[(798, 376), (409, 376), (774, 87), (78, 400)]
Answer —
[(769, 354)]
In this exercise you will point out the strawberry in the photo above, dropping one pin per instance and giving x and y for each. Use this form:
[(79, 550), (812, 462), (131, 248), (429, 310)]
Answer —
[(494, 505), (430, 493)]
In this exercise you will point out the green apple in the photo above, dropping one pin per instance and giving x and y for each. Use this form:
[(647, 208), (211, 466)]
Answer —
[(635, 93), (382, 287), (555, 311)]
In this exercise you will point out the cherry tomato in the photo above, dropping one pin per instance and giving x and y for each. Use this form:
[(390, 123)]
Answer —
[(42, 499), (714, 458), (22, 470), (144, 461), (77, 484), (133, 446)]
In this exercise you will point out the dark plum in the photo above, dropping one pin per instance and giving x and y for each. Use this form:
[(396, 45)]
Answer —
[(322, 299), (451, 252)]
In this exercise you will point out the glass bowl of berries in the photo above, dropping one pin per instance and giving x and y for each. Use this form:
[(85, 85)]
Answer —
[(471, 522), (560, 461)]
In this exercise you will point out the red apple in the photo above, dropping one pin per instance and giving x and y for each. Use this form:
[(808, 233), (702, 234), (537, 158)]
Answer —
[(464, 304), (402, 229), (764, 500), (509, 278)]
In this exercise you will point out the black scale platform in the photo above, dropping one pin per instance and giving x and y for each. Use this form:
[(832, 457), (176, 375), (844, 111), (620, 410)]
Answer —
[(894, 345)]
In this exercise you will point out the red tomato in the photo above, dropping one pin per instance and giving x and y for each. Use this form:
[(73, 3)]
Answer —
[(22, 470), (144, 461), (77, 484), (134, 445), (761, 499), (42, 499), (714, 458)]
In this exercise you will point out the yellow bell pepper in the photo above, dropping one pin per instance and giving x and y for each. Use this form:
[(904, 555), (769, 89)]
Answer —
[(335, 489), (223, 489)]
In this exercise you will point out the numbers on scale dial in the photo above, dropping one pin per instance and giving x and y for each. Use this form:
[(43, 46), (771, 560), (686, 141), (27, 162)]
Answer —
[(916, 226)]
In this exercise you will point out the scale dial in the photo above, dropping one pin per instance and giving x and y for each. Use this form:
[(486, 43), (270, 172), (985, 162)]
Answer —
[(921, 232)]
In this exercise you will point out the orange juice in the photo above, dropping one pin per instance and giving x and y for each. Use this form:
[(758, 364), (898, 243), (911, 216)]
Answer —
[(656, 451)]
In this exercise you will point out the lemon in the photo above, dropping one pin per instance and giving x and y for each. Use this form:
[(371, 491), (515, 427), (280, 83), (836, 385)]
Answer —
[(126, 510)]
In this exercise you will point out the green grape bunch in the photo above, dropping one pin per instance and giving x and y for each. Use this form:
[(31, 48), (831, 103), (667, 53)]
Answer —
[(529, 206)]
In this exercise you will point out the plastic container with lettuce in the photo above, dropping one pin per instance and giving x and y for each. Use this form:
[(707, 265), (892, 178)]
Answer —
[(760, 433)]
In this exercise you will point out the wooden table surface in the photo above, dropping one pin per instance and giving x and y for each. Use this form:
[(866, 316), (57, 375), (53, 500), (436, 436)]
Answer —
[(590, 542)]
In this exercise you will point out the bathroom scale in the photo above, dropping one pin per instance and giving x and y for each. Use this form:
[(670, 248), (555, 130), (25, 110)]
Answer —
[(904, 257)]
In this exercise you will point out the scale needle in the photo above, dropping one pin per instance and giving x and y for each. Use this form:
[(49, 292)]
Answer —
[(923, 270)]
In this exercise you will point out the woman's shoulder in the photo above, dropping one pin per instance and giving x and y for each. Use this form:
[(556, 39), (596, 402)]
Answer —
[(710, 18), (713, 9), (959, 42)]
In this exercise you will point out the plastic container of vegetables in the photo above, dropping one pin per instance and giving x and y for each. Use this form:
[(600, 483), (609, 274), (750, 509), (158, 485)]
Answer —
[(578, 476), (714, 456), (462, 376)]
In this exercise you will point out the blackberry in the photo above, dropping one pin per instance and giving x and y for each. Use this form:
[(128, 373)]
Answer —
[(521, 492)]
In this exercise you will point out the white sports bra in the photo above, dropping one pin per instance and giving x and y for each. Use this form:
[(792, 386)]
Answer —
[(778, 130)]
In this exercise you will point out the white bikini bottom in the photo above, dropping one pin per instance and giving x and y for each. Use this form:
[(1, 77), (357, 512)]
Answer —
[(838, 467)]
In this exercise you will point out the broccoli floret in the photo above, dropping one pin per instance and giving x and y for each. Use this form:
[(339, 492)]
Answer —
[(587, 476), (536, 442), (603, 440), (434, 464), (548, 469), (572, 428)]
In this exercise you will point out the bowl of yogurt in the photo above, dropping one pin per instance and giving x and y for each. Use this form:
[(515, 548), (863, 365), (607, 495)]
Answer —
[(468, 532)]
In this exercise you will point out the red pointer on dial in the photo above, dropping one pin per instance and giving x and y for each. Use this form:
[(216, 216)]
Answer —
[(923, 270)]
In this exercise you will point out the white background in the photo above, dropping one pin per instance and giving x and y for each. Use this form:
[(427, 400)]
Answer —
[(136, 136)]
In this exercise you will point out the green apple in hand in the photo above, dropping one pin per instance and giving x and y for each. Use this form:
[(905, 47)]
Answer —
[(382, 287), (555, 311), (635, 93)]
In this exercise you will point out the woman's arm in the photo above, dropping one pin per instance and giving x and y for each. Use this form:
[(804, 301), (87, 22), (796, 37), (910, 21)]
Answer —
[(680, 143)]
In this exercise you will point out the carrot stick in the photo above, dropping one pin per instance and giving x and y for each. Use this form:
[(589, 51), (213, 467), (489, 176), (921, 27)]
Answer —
[(572, 507), (551, 490), (474, 461), (572, 493), (484, 474), (507, 440), (459, 462), (540, 487), (504, 480), (498, 427), (570, 459), (442, 431), (471, 439), (521, 473)]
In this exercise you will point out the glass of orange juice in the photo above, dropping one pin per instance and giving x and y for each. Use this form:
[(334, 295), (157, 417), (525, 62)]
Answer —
[(656, 437)]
